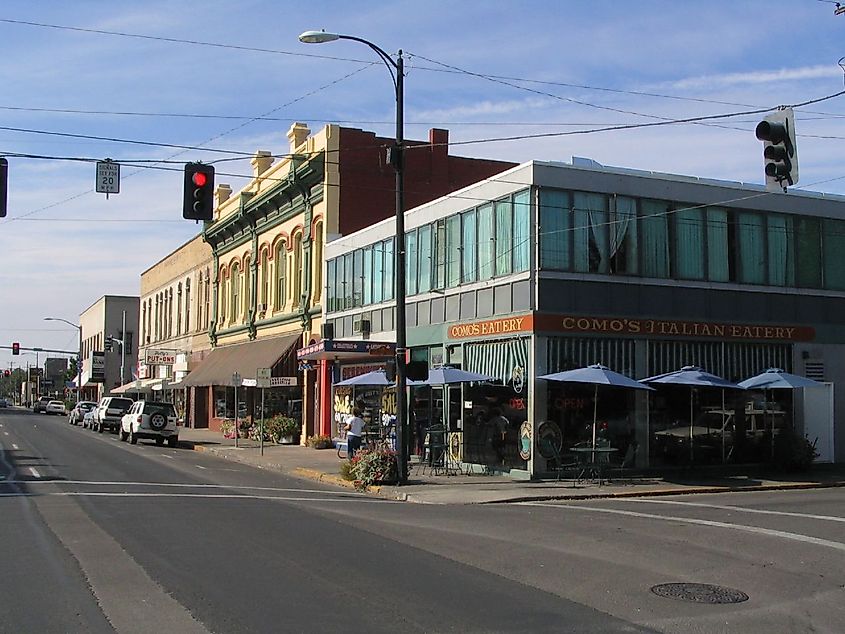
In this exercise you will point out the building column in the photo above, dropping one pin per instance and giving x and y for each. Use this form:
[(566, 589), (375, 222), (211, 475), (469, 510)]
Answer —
[(325, 389)]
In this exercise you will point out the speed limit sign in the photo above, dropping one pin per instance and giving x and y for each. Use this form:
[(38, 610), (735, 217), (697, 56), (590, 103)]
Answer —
[(108, 177)]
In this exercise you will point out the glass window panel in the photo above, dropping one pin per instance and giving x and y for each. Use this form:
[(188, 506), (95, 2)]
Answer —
[(718, 269), (624, 245), (411, 262), (781, 250), (424, 250), (453, 251), (357, 277), (808, 251), (368, 276), (485, 242), (834, 254), (504, 237), (331, 269), (347, 281), (521, 231), (689, 244), (555, 230), (655, 238), (469, 245), (389, 261), (751, 242), (592, 236), (440, 255), (378, 272)]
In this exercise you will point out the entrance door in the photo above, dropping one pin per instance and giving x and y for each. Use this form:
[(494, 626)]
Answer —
[(818, 419)]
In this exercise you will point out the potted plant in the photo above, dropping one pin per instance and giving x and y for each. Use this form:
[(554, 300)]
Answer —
[(319, 442), (282, 429)]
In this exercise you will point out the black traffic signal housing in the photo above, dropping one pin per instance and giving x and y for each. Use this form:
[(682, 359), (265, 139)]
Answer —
[(417, 370), (16, 348), (390, 371), (4, 185), (780, 155), (198, 197), (108, 345), (7, 373)]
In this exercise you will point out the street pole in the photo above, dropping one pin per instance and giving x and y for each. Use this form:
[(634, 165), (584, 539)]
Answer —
[(261, 433), (79, 369), (397, 159), (123, 348)]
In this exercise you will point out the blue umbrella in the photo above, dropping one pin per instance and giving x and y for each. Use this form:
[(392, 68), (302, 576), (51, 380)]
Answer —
[(693, 376), (445, 375), (375, 378), (777, 379), (595, 375)]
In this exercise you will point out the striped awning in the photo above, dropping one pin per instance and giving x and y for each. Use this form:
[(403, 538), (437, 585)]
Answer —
[(498, 359)]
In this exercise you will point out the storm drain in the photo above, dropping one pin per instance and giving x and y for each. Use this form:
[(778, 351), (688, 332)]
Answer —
[(699, 593)]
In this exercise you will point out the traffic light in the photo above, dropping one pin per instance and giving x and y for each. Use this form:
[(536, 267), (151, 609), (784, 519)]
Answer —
[(16, 348), (198, 199), (4, 185), (417, 370), (7, 372), (777, 132), (108, 345), (390, 371)]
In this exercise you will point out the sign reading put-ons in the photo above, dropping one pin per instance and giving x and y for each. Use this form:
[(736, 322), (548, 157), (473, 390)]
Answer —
[(108, 177), (160, 357)]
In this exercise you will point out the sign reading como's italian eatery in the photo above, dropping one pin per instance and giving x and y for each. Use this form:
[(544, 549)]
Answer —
[(670, 328)]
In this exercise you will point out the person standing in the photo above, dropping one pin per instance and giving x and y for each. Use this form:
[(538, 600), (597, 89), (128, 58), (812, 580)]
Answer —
[(354, 432)]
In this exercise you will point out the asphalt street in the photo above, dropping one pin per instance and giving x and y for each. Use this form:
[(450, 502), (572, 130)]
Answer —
[(100, 535)]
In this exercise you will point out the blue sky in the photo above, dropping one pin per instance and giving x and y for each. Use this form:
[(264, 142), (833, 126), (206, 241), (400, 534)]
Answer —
[(569, 66)]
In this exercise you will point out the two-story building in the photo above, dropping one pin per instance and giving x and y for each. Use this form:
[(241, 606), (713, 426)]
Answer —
[(553, 266)]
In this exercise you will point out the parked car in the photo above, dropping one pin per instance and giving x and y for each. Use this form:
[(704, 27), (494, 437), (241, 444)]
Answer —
[(150, 419), (55, 407), (109, 411), (3, 402), (40, 406), (88, 418), (78, 412)]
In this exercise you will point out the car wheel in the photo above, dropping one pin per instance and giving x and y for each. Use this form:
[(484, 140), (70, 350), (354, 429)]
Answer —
[(173, 441), (123, 435), (100, 428), (133, 438), (158, 422), (159, 441)]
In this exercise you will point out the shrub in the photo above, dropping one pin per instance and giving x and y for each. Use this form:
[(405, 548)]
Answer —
[(372, 466), (793, 452), (319, 442), (346, 470), (227, 428)]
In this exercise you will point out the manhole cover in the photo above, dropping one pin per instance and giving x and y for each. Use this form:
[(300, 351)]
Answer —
[(699, 593)]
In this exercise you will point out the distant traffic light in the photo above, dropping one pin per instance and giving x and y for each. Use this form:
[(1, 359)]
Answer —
[(16, 348), (777, 132), (417, 370), (198, 198), (4, 185), (7, 372)]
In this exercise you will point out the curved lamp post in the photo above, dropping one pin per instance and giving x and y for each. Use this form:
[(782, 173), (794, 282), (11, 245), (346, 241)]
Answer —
[(78, 357), (396, 158)]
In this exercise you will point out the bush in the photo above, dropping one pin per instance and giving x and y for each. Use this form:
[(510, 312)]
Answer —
[(319, 442), (373, 466), (281, 426), (346, 470), (793, 452), (227, 428)]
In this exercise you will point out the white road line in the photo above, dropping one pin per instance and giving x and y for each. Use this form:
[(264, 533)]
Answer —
[(164, 455), (740, 509), (35, 472), (208, 496), (119, 483), (199, 466), (6, 433), (14, 446), (687, 520)]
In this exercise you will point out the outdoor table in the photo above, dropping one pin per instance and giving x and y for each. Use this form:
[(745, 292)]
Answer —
[(591, 467)]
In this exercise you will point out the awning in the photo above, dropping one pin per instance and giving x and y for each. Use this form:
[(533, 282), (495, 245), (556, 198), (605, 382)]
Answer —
[(335, 349), (244, 358), (141, 385)]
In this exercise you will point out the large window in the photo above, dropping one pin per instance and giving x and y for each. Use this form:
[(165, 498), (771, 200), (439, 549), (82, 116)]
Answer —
[(751, 240), (808, 252), (389, 261), (718, 258), (468, 248), (521, 231), (368, 276), (296, 270), (318, 263), (424, 250), (655, 238), (235, 307), (265, 280), (485, 242), (453, 251), (280, 259), (411, 262), (504, 237), (378, 273), (689, 244)]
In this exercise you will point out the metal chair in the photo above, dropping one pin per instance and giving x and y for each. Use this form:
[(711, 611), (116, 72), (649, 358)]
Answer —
[(549, 448), (434, 449)]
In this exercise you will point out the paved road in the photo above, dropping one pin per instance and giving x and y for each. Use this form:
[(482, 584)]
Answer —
[(146, 538)]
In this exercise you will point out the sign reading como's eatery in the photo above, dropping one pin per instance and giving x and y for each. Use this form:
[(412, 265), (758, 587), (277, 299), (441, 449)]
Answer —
[(492, 327), (671, 328)]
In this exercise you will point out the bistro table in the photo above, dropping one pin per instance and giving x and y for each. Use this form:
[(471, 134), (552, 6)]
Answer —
[(591, 462)]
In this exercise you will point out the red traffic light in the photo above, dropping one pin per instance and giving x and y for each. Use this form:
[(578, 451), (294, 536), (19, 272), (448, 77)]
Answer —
[(16, 348), (199, 179), (7, 372)]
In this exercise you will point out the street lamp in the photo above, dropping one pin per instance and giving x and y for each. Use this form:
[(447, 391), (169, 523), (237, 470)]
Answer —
[(397, 159), (78, 356)]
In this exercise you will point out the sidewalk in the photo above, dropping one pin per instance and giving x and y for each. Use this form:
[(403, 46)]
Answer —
[(324, 466)]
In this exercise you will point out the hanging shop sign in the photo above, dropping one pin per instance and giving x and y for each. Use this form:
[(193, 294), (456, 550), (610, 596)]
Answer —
[(492, 327), (671, 328), (159, 357)]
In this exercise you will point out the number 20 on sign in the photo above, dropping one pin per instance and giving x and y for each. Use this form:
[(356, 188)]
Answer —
[(108, 177)]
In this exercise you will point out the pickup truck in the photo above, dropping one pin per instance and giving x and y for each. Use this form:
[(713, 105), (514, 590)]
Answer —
[(109, 412)]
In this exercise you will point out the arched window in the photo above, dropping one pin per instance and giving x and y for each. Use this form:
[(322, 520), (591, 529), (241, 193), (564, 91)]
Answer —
[(317, 290), (296, 270), (200, 300), (169, 312), (235, 282), (207, 299), (281, 266), (222, 297), (247, 288), (179, 310), (264, 294), (187, 305)]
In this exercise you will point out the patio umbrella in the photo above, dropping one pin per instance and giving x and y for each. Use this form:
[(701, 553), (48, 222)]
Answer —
[(776, 379), (445, 375), (595, 375), (694, 377), (375, 378)]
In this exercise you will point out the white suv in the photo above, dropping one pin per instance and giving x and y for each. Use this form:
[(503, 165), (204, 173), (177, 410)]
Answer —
[(150, 419)]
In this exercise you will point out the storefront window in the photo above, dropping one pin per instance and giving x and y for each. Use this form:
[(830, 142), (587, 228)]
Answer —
[(224, 402)]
